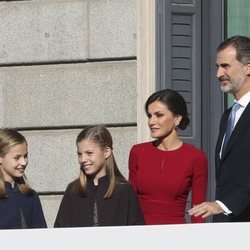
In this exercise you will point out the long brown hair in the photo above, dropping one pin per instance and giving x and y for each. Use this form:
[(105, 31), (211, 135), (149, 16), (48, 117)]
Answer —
[(8, 139), (101, 136)]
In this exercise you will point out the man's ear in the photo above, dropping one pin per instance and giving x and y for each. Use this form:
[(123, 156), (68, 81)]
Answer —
[(107, 152), (248, 68)]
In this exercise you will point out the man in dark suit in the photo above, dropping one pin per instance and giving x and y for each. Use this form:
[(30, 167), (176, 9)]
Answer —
[(232, 156)]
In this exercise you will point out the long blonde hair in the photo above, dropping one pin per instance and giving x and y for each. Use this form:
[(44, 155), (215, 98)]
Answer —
[(8, 139), (101, 136)]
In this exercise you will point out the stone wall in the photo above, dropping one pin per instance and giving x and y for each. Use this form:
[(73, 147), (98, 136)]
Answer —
[(65, 64)]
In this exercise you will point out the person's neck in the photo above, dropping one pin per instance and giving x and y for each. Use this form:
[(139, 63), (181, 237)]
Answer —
[(96, 179), (169, 143), (245, 88)]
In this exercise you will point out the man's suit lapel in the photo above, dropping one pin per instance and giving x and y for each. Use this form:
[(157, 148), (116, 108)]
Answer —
[(241, 126), (222, 130)]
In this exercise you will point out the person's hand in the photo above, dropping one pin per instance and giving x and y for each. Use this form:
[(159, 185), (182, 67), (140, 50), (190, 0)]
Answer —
[(205, 209)]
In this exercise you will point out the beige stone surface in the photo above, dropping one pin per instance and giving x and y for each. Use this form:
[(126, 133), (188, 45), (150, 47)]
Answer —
[(45, 31), (50, 205), (69, 95), (56, 30), (112, 28)]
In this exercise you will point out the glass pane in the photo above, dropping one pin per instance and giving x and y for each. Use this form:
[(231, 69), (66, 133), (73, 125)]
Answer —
[(238, 18), (237, 23)]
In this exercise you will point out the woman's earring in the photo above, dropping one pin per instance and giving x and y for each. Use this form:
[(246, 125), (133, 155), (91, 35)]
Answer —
[(177, 123)]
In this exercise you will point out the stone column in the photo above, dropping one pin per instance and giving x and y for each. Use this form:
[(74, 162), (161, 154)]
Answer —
[(145, 62)]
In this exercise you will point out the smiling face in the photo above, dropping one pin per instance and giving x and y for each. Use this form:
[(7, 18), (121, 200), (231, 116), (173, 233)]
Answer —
[(92, 158), (230, 72), (14, 163), (161, 120)]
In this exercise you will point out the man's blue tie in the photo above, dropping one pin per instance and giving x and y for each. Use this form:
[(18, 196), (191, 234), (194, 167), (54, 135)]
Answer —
[(230, 124)]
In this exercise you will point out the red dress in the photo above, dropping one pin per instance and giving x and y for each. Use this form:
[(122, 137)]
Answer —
[(163, 179)]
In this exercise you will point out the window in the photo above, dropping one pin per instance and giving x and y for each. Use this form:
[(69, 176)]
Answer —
[(237, 23)]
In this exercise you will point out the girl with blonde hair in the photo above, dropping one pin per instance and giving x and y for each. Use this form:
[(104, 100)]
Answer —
[(101, 196), (20, 205)]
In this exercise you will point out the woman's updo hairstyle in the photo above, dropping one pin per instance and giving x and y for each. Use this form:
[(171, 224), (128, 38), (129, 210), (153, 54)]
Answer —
[(174, 102)]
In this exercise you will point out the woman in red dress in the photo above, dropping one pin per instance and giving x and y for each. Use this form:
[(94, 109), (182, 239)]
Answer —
[(164, 171)]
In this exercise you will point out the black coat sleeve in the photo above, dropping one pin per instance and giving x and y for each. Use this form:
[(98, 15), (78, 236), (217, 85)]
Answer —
[(63, 214), (135, 216)]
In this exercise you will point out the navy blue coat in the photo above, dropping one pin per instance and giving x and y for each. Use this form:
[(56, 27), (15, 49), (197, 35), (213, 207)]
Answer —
[(20, 211)]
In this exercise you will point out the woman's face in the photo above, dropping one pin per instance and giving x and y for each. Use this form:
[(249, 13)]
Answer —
[(92, 158), (161, 120), (14, 163)]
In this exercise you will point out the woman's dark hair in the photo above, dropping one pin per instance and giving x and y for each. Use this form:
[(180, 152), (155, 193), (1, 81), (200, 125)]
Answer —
[(174, 102), (101, 136)]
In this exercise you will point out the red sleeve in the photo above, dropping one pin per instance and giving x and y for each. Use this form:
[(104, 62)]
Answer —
[(199, 184), (133, 168)]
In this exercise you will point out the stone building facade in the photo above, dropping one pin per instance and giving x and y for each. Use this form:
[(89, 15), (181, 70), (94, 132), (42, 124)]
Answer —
[(66, 64)]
